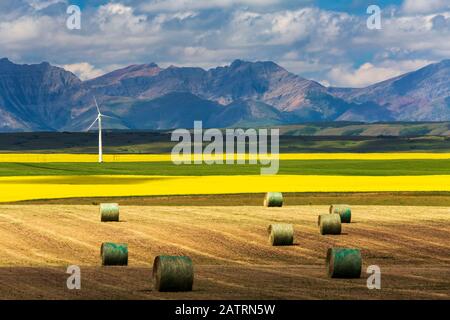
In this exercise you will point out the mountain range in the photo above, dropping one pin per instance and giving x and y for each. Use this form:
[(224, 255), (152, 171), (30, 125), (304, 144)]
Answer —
[(42, 97)]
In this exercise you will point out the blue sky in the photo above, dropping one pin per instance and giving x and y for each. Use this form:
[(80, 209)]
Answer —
[(327, 41)]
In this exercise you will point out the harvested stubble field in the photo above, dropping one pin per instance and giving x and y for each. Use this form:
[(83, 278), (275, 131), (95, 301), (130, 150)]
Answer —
[(230, 250)]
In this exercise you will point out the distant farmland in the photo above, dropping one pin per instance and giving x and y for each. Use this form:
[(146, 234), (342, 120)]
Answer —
[(351, 163), (315, 137)]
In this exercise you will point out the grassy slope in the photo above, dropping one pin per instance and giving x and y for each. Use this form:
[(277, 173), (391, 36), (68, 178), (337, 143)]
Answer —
[(304, 167)]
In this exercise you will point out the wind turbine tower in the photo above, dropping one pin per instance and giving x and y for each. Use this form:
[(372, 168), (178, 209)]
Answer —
[(99, 120)]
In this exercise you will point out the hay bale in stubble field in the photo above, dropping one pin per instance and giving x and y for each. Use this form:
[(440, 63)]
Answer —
[(109, 212), (344, 263), (343, 210), (330, 224), (173, 273), (114, 254), (281, 234), (273, 199)]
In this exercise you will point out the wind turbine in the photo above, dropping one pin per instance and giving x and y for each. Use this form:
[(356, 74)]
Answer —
[(99, 119)]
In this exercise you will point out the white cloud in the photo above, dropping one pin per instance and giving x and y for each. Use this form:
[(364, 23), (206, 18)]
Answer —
[(160, 19), (180, 5), (42, 4), (318, 28), (325, 83), (26, 33), (367, 74), (424, 6), (412, 37), (315, 43), (23, 29), (84, 70), (116, 17)]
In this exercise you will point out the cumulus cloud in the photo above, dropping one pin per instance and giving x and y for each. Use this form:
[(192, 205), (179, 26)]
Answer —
[(316, 43), (424, 6), (25, 32), (84, 70), (179, 5), (42, 4), (367, 73), (289, 27), (116, 17)]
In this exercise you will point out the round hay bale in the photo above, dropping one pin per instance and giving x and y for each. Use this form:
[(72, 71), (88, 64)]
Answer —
[(114, 254), (173, 273), (343, 210), (109, 212), (281, 234), (330, 224), (344, 263), (273, 199)]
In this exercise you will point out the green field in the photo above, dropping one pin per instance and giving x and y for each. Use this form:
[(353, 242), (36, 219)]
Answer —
[(293, 139), (293, 167)]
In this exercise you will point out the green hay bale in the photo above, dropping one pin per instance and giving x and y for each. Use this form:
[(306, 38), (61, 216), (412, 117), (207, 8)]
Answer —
[(273, 199), (281, 234), (109, 212), (114, 254), (173, 273), (344, 263), (343, 210), (330, 224)]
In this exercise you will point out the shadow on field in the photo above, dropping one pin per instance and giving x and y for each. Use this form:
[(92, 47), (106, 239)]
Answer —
[(222, 282)]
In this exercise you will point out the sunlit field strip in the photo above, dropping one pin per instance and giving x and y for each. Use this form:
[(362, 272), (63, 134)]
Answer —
[(52, 187), (43, 158)]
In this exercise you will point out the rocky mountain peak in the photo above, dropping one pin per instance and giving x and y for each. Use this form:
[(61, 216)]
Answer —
[(132, 71)]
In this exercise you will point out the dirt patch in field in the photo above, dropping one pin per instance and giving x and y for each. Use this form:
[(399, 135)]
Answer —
[(255, 199), (230, 250)]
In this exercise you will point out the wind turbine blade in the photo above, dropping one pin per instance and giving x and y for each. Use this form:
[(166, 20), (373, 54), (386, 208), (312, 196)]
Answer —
[(105, 116), (92, 124), (98, 109)]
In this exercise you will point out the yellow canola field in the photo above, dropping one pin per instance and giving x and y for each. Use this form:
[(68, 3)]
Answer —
[(27, 157), (51, 187)]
